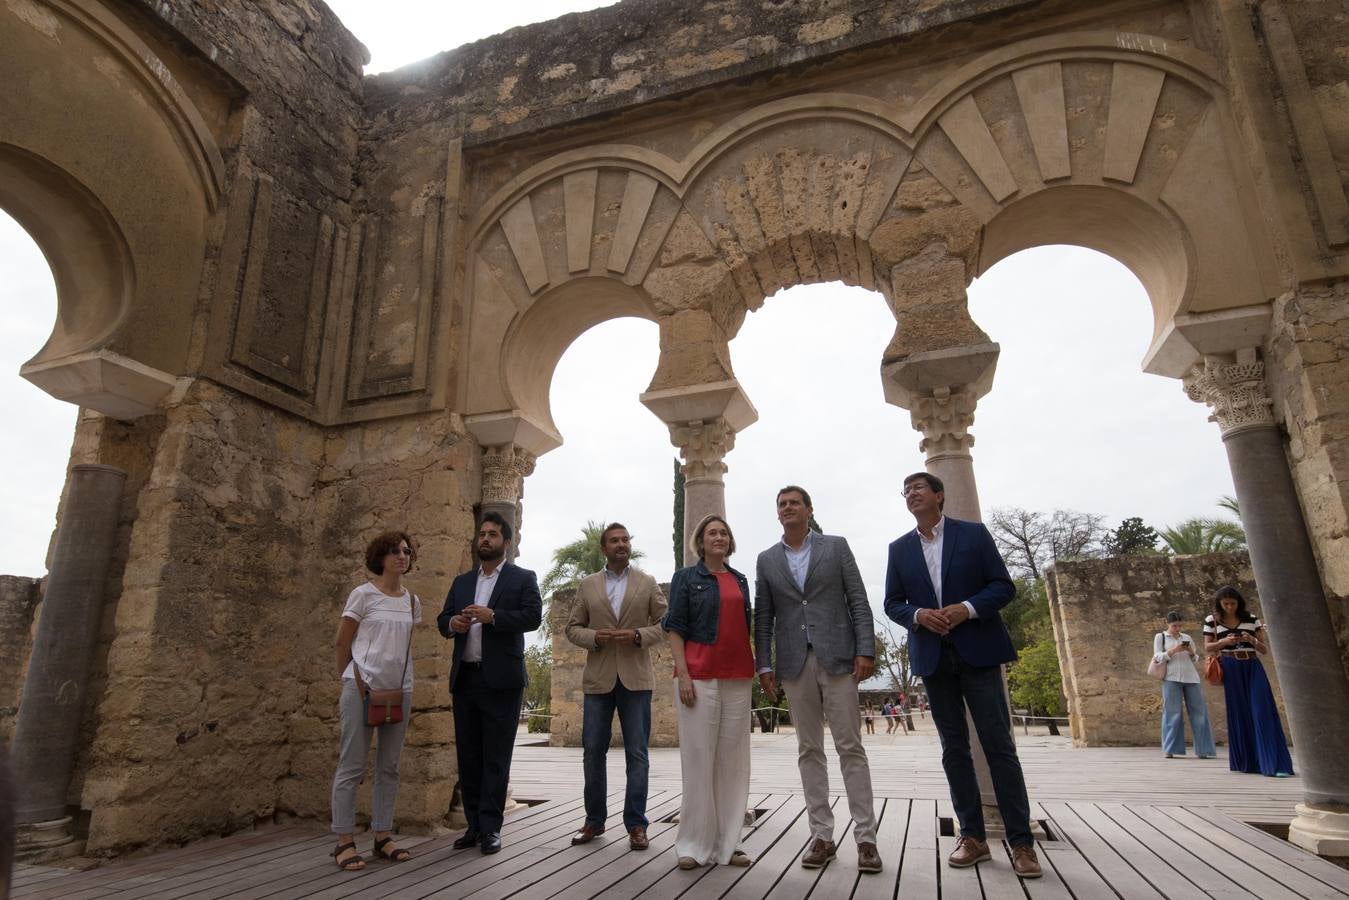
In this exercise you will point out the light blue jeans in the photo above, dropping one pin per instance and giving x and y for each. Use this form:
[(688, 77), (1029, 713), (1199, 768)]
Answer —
[(352, 751), (1174, 693)]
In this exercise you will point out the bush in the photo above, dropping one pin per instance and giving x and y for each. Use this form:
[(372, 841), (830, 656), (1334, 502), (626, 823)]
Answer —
[(538, 722)]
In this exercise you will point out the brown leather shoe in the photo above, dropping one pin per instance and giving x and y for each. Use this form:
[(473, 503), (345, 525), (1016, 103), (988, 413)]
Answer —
[(968, 852), (585, 835), (868, 857), (637, 838), (818, 854), (1025, 863)]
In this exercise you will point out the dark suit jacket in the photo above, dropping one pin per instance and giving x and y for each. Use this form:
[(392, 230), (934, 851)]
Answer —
[(518, 607), (971, 569)]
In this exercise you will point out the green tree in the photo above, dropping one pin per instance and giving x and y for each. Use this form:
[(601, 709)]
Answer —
[(892, 656), (1132, 538), (678, 514), (1195, 536), (1034, 679), (1229, 503), (539, 691), (813, 525), (1027, 616), (574, 561)]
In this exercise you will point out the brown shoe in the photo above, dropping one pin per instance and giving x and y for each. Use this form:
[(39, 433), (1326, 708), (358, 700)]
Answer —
[(818, 854), (968, 852), (868, 858), (585, 835), (1025, 863), (637, 838)]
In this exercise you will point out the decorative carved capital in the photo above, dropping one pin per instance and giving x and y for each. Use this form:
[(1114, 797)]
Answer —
[(945, 417), (504, 470), (703, 445), (1234, 391)]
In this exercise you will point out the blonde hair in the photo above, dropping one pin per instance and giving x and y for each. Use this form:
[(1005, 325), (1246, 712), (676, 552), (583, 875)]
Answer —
[(696, 541)]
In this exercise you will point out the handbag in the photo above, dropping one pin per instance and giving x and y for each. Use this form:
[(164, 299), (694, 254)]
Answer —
[(1213, 670), (1157, 669), (380, 708)]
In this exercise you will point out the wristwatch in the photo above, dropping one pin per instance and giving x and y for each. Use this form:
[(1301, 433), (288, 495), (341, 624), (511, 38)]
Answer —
[(636, 637)]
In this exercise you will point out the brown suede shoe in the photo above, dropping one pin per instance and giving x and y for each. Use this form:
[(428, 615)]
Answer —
[(868, 858), (1025, 863), (968, 852), (818, 854), (585, 835), (637, 838)]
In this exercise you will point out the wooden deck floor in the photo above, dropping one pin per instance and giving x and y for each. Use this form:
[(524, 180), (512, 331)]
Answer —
[(1119, 823)]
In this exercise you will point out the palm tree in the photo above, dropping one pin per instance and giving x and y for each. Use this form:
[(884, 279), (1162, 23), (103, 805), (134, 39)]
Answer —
[(1196, 536), (1229, 503), (574, 561)]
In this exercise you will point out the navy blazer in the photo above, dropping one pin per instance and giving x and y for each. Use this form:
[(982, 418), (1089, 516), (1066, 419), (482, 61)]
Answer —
[(971, 569), (518, 608)]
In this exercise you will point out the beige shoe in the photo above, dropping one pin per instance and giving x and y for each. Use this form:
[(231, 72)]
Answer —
[(818, 854), (687, 862), (968, 852), (740, 859), (1025, 863)]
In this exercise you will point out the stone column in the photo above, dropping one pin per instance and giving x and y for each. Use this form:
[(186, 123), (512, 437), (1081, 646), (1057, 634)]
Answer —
[(54, 693), (703, 421), (504, 470), (1315, 691)]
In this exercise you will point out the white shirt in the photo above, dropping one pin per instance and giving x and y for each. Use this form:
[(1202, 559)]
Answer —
[(799, 560), (473, 648), (932, 548), (380, 648), (615, 586), (1179, 667)]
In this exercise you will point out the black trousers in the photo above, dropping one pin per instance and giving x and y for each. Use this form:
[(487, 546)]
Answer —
[(485, 722)]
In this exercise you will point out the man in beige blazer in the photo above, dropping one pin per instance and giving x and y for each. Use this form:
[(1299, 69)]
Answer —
[(617, 619)]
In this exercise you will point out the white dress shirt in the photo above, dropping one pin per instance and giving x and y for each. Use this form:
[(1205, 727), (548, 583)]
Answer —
[(932, 548), (473, 648), (615, 586)]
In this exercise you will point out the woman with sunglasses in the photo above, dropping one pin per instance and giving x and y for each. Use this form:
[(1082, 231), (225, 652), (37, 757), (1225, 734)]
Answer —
[(374, 652)]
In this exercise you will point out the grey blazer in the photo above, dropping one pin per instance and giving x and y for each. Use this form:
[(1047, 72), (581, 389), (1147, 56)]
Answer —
[(833, 605)]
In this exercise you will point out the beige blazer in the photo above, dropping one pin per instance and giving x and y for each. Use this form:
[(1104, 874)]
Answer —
[(642, 609)]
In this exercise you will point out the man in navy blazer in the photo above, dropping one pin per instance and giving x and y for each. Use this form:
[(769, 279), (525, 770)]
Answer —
[(945, 582), (486, 614)]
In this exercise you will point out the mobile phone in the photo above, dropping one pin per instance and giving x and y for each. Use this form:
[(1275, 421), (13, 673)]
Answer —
[(1185, 643)]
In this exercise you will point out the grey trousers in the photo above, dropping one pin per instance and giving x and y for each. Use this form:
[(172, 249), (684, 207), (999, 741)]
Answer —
[(352, 751), (817, 696)]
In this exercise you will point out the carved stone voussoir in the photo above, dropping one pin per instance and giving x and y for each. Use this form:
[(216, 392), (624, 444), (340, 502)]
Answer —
[(504, 470), (1236, 393), (703, 445), (945, 417)]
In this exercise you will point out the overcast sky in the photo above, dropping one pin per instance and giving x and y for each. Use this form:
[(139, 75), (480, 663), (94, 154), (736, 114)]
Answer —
[(1071, 422)]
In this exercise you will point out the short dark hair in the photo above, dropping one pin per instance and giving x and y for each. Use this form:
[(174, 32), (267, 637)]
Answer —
[(498, 520), (805, 495), (612, 526), (933, 483), (385, 543), (1173, 616), (697, 540), (1224, 593)]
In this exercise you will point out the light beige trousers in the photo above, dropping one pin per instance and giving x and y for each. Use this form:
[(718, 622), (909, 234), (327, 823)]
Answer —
[(817, 697), (714, 760)]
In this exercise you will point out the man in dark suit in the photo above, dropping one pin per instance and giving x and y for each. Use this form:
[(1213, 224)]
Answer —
[(945, 582), (486, 614)]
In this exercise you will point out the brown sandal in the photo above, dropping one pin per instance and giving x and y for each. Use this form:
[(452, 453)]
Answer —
[(397, 854), (353, 863)]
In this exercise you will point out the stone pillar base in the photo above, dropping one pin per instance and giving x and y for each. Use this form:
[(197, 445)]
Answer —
[(40, 842), (1324, 832), (996, 830)]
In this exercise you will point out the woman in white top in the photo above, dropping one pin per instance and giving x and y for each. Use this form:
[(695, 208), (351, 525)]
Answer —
[(374, 652), (1181, 685)]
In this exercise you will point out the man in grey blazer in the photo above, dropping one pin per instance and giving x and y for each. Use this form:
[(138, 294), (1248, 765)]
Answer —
[(809, 598)]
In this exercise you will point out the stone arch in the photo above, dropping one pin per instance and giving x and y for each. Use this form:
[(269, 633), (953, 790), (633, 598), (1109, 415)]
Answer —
[(115, 172)]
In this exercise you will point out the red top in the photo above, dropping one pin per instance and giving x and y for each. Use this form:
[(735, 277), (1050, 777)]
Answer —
[(730, 656)]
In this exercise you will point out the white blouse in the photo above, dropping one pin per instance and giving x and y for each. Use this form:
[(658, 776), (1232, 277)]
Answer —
[(1179, 667), (384, 625)]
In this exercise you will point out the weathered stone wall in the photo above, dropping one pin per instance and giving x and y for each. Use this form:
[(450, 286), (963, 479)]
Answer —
[(1106, 613), (568, 699), (19, 599)]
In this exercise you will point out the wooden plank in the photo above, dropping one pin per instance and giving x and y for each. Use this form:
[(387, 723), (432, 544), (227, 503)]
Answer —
[(1073, 870), (1049, 886), (997, 879), (1144, 858), (890, 834), (1174, 844), (798, 881), (766, 846), (957, 884), (918, 864), (1277, 876), (1314, 866), (1111, 866)]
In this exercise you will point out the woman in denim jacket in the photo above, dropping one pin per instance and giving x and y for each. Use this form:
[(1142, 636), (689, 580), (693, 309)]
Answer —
[(708, 620)]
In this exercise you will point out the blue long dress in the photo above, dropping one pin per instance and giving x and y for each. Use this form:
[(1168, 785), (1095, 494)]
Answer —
[(1255, 741)]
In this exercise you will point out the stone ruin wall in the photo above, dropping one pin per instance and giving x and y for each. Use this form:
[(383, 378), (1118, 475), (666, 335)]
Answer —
[(568, 700), (1105, 614), (19, 601)]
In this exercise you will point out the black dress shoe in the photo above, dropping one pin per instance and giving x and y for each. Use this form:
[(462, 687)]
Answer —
[(491, 843), (466, 840)]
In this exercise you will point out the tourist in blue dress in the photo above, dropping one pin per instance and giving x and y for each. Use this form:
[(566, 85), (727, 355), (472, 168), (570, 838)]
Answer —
[(1255, 741)]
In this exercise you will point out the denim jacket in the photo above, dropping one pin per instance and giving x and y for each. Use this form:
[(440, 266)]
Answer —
[(695, 603)]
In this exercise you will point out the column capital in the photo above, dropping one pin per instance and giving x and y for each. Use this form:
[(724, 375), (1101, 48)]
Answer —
[(703, 444), (504, 470), (944, 416), (1235, 391)]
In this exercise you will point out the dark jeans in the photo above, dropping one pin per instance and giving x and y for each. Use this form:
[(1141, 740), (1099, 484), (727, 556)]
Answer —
[(634, 715), (952, 687), (485, 721)]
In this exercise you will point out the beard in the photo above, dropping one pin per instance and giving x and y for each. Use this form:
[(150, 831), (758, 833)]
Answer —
[(491, 554)]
